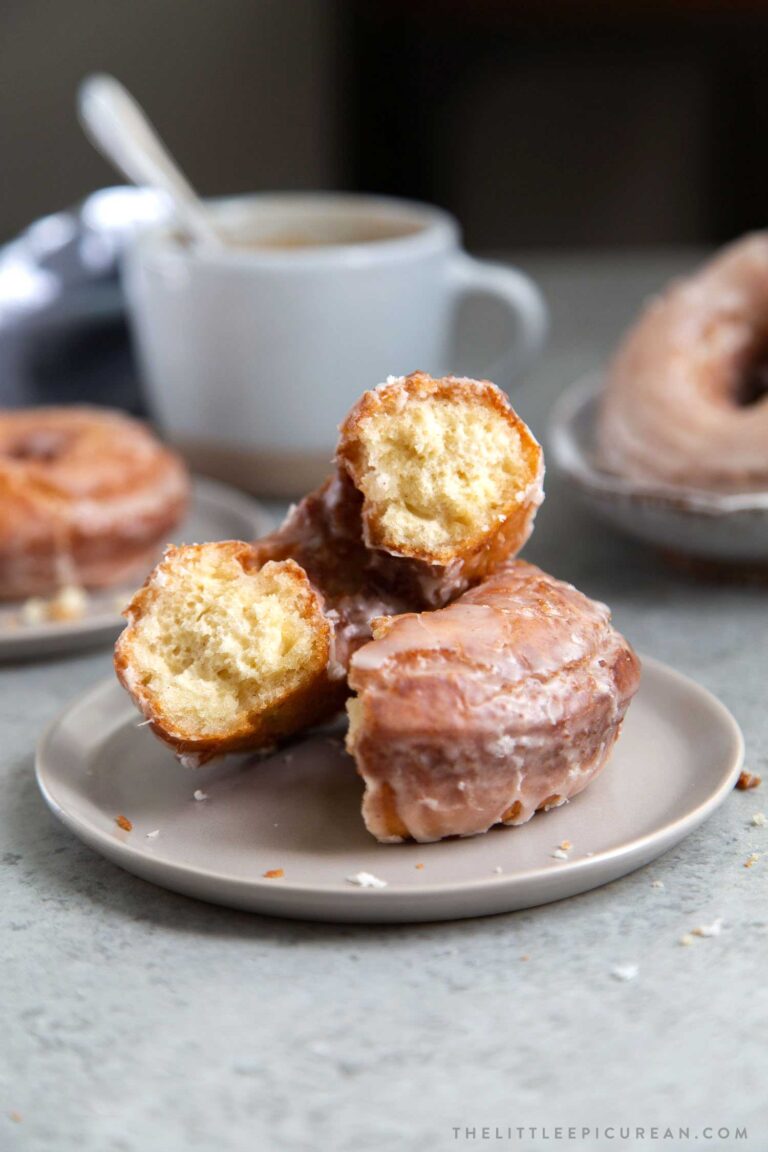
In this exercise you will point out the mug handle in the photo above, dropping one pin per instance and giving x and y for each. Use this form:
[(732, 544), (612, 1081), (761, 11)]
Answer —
[(523, 300)]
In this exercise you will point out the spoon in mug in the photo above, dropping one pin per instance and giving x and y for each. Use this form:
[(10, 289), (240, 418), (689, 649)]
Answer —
[(120, 130)]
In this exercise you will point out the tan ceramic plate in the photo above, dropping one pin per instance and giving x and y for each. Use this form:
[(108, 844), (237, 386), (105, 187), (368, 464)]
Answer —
[(217, 512), (677, 759)]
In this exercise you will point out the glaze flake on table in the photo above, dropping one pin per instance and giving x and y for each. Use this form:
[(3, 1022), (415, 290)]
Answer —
[(134, 1019)]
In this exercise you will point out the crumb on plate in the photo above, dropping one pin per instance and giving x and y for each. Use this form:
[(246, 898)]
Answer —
[(274, 874), (198, 794), (33, 611), (124, 823), (366, 880), (69, 603)]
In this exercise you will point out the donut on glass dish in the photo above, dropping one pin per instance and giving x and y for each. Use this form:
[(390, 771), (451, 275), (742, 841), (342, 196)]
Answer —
[(672, 445), (365, 544), (506, 702), (86, 498)]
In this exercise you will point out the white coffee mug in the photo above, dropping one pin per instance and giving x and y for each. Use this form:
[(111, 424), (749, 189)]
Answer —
[(252, 354)]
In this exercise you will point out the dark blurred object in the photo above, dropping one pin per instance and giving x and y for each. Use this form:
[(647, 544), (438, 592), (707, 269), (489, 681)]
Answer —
[(243, 93), (569, 123), (63, 334)]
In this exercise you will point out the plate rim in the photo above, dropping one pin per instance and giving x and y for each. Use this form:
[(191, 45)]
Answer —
[(668, 834)]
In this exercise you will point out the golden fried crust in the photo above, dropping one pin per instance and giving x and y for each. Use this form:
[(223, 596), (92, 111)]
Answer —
[(318, 696), (86, 497), (437, 575), (506, 702)]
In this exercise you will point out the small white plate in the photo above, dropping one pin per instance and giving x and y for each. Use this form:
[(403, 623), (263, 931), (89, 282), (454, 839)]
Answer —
[(216, 512), (677, 759), (727, 528)]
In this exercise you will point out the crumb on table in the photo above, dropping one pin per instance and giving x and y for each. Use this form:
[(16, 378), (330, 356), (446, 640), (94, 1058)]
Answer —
[(747, 781), (707, 930), (625, 971)]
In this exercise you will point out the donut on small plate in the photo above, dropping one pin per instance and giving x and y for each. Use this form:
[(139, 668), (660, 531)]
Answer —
[(86, 497)]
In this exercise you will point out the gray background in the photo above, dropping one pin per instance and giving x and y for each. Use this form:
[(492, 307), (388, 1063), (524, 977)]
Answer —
[(558, 124)]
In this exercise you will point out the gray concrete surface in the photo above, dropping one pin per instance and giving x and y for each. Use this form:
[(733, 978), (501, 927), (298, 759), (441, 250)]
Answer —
[(134, 1019)]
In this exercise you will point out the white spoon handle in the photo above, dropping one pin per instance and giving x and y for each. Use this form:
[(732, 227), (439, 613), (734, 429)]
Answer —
[(118, 127)]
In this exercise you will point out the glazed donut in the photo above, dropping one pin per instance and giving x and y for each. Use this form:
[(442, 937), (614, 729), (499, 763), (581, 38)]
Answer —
[(438, 482), (686, 399), (223, 653), (506, 702), (86, 497), (450, 479), (365, 549)]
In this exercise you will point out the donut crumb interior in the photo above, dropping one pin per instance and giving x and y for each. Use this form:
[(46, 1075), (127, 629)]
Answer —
[(215, 643), (440, 470)]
